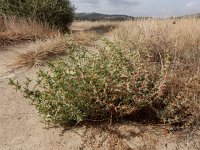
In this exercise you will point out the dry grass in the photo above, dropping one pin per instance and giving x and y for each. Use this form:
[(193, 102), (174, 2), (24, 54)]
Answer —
[(97, 26), (86, 38), (40, 51), (44, 42), (16, 31), (87, 32), (10, 38), (180, 39), (174, 43)]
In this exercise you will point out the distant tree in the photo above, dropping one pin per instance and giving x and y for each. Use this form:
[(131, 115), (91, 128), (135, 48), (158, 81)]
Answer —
[(57, 13)]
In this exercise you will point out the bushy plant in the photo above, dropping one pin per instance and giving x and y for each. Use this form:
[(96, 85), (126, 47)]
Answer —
[(57, 13), (111, 84)]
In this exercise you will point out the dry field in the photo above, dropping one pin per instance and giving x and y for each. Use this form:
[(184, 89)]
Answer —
[(25, 46)]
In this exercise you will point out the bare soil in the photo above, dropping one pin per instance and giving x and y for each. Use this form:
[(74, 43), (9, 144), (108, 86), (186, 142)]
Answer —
[(22, 129)]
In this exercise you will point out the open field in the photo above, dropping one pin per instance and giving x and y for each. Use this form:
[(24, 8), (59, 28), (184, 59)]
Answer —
[(169, 45)]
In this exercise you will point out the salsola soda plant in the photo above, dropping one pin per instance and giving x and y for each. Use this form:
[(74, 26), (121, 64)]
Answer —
[(112, 84)]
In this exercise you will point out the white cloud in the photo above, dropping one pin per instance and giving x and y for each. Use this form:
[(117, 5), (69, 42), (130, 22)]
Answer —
[(158, 8), (190, 4)]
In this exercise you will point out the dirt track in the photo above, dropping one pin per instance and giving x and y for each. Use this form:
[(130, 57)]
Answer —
[(21, 129)]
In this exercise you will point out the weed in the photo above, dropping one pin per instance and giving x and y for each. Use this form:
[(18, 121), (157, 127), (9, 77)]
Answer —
[(111, 85)]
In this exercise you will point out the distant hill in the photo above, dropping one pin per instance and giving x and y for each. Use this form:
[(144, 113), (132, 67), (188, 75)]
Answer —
[(98, 16)]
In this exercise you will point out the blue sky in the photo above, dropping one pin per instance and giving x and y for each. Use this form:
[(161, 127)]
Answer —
[(156, 8)]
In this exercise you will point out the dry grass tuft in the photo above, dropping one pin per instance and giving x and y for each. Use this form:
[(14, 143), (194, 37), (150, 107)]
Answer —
[(17, 31), (84, 37), (40, 51), (10, 38)]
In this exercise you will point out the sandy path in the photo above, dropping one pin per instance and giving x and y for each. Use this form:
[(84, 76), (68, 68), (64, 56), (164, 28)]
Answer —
[(20, 126), (21, 129)]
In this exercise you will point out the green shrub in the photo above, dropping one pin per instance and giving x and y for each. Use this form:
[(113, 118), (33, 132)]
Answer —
[(57, 13), (109, 85)]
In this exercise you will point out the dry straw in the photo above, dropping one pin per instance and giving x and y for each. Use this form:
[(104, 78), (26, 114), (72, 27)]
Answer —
[(16, 31), (41, 50)]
